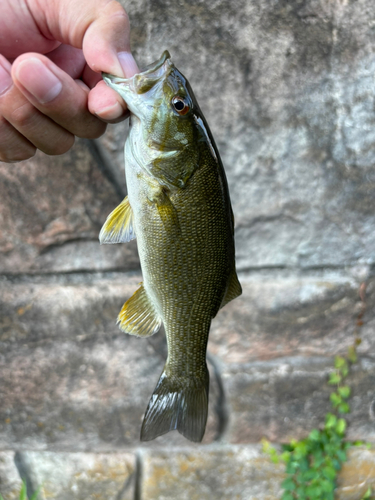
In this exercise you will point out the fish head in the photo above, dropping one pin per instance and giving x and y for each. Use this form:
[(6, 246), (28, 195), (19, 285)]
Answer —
[(167, 117)]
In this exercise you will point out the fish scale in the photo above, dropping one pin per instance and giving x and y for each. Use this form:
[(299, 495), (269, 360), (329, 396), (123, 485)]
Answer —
[(179, 208)]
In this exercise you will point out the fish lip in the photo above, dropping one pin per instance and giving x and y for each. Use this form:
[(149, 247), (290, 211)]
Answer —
[(149, 69)]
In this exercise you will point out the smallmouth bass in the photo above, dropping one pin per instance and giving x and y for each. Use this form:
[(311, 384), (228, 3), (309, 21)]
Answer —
[(179, 209)]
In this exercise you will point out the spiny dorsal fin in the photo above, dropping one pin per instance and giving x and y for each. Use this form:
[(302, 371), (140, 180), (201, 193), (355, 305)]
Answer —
[(118, 228), (138, 316), (234, 289)]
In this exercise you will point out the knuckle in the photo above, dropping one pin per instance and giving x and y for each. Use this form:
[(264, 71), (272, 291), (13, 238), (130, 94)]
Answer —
[(61, 146), (13, 147), (14, 156), (94, 132), (23, 115), (118, 11)]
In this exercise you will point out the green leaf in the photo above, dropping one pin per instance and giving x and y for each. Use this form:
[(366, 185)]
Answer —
[(367, 494), (352, 354), (329, 472), (343, 408), (341, 426), (23, 492), (344, 391), (288, 484), (344, 371), (340, 362), (335, 399), (266, 445), (314, 435), (287, 447), (334, 378), (314, 491), (300, 450), (331, 421), (327, 486), (285, 456), (341, 455), (358, 443), (287, 496)]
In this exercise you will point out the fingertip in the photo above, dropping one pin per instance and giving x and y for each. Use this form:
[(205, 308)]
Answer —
[(106, 42), (128, 64), (106, 104)]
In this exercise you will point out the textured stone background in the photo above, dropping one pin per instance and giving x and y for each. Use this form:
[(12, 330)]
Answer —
[(288, 89)]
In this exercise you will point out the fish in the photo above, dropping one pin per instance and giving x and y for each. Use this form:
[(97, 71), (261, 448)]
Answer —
[(179, 209)]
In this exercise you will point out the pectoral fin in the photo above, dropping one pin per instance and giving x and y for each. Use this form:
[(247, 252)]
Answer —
[(118, 228), (138, 316), (167, 211), (234, 289), (169, 217)]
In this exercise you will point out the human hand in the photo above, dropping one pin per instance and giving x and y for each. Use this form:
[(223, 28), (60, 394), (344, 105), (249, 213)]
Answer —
[(52, 53)]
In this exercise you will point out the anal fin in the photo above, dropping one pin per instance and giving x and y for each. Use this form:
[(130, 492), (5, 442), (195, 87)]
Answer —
[(138, 316), (118, 228), (234, 289)]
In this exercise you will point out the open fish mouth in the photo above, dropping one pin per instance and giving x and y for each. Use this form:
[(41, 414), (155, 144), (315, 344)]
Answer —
[(142, 82)]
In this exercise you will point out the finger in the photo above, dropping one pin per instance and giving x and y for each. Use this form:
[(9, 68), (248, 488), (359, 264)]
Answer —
[(13, 146), (100, 27), (40, 130), (69, 59), (107, 104), (90, 77), (72, 61), (110, 34), (55, 94), (31, 125)]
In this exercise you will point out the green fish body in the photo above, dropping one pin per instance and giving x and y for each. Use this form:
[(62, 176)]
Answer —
[(179, 209)]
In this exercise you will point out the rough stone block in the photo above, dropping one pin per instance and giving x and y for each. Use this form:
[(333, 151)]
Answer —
[(220, 473), (289, 314), (51, 212), (357, 474), (71, 380), (286, 398), (78, 476), (10, 481), (243, 473)]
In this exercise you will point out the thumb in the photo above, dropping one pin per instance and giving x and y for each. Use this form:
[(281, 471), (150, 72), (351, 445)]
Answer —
[(106, 42), (99, 27)]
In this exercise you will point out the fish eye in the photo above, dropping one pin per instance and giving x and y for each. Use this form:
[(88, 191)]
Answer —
[(180, 105)]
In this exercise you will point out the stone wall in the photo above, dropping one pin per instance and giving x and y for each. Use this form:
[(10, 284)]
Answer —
[(288, 90)]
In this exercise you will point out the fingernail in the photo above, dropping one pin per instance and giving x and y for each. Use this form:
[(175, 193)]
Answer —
[(5, 78), (128, 64), (38, 80), (110, 112)]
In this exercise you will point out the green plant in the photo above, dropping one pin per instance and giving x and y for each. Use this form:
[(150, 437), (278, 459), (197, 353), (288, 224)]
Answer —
[(312, 464), (23, 493)]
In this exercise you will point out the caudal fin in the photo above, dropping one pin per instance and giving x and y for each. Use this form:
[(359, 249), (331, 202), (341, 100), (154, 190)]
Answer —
[(177, 403)]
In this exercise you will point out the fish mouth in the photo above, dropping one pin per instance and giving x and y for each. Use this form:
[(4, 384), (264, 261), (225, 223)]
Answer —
[(142, 82)]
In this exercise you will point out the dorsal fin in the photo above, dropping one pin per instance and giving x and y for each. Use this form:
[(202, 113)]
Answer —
[(118, 228), (138, 316)]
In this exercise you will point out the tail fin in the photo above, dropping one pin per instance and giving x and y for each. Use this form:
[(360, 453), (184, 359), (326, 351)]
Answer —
[(177, 403)]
